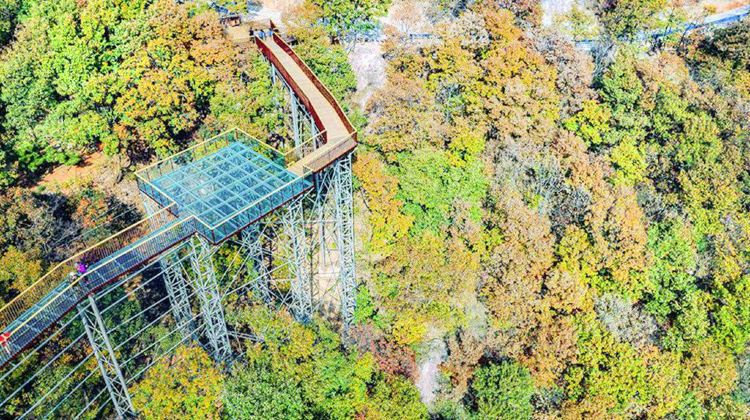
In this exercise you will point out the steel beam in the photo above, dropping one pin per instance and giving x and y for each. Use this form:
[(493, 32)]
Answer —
[(252, 244), (342, 191), (207, 288), (106, 358), (296, 123), (301, 287), (321, 215), (174, 280), (313, 130)]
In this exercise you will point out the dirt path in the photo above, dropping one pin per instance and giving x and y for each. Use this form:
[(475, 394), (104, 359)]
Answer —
[(427, 381)]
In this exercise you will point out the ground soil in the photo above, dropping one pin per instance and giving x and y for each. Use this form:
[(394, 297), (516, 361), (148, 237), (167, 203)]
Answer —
[(103, 171)]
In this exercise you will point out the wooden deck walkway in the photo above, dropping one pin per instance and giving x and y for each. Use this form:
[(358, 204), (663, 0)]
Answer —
[(338, 135)]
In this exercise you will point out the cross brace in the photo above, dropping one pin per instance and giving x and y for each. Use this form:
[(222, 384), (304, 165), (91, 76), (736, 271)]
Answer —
[(106, 358)]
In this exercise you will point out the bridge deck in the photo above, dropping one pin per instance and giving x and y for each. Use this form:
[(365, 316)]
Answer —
[(339, 136), (227, 190), (329, 119)]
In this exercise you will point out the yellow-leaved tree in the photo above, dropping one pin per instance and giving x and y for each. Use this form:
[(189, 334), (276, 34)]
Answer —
[(185, 385)]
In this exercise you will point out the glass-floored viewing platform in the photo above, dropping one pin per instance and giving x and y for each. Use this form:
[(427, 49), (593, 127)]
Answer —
[(215, 188), (226, 183)]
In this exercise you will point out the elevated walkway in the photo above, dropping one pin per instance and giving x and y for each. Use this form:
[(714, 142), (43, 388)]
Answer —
[(337, 134), (214, 189), (36, 309)]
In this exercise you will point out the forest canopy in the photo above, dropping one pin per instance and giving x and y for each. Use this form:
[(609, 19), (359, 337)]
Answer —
[(542, 231)]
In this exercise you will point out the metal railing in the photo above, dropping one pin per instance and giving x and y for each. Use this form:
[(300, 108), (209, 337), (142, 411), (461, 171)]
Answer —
[(325, 155), (145, 176), (334, 149), (303, 149), (65, 272)]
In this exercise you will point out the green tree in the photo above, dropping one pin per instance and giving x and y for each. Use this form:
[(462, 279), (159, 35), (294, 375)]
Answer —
[(591, 123), (8, 14), (346, 19), (672, 293), (607, 371), (256, 391), (503, 391), (712, 370), (303, 369), (184, 385), (18, 270), (621, 90), (164, 87), (247, 102), (627, 18), (731, 43), (430, 185)]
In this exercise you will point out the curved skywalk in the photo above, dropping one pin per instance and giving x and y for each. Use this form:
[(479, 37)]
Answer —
[(337, 133)]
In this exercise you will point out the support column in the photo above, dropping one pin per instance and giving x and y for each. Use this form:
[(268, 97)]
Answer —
[(207, 289), (174, 282), (251, 243), (322, 215), (177, 291), (294, 225), (106, 358), (294, 103), (313, 131), (342, 191)]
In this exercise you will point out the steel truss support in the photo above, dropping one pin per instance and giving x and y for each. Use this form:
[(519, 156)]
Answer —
[(174, 282), (332, 209), (253, 246), (177, 291), (106, 358), (301, 287), (342, 191), (207, 289), (302, 120), (320, 225), (296, 123), (332, 200)]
